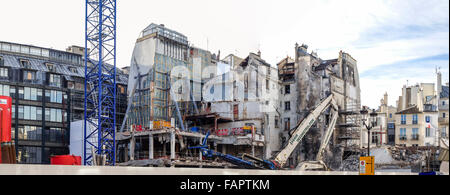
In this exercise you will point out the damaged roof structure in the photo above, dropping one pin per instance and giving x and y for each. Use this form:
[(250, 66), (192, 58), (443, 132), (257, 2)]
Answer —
[(305, 81), (248, 105)]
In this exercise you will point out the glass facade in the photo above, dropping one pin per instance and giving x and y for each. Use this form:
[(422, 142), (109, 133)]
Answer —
[(37, 80)]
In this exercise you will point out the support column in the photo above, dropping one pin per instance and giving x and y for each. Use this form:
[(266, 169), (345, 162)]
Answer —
[(150, 147), (224, 149), (200, 156), (133, 145), (172, 145)]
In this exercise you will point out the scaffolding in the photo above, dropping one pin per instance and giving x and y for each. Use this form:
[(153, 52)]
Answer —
[(350, 126)]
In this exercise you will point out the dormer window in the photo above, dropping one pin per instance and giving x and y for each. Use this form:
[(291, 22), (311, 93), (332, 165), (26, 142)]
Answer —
[(24, 63), (50, 67), (73, 70)]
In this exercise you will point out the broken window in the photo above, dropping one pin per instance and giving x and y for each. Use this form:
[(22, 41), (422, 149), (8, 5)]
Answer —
[(287, 124), (276, 122), (287, 89), (246, 81), (287, 105), (236, 112)]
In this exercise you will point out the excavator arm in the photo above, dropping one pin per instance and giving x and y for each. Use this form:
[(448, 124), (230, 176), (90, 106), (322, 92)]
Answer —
[(304, 127)]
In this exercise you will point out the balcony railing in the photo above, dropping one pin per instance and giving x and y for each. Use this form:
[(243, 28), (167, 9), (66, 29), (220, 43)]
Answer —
[(415, 137), (403, 138)]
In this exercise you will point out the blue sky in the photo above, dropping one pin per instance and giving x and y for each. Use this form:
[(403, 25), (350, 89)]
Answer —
[(392, 40)]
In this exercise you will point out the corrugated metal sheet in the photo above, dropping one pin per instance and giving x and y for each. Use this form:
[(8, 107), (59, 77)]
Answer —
[(38, 65), (11, 61), (63, 69)]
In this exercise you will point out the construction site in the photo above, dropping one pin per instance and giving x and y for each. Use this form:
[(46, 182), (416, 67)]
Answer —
[(185, 115)]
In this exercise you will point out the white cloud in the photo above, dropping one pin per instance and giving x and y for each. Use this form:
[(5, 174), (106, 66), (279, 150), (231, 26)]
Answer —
[(372, 31)]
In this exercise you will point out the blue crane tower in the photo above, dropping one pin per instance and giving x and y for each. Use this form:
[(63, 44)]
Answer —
[(100, 83)]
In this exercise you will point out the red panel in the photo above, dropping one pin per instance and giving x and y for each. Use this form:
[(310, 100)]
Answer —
[(65, 160), (6, 113)]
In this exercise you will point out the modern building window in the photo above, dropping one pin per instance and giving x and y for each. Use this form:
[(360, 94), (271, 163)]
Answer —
[(29, 75), (55, 135), (55, 80), (29, 155), (30, 113), (39, 94), (21, 95), (12, 92), (54, 115), (27, 91), (287, 106), (415, 119), (403, 119), (3, 72), (5, 90), (31, 133), (53, 96), (287, 89), (21, 112)]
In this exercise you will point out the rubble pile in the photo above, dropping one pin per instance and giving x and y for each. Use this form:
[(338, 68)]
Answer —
[(408, 154), (350, 164)]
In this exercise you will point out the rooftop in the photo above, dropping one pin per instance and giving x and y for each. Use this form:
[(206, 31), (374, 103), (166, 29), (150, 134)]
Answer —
[(165, 32)]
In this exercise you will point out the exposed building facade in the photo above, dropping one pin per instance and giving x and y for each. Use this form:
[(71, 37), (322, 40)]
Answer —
[(305, 81), (47, 87)]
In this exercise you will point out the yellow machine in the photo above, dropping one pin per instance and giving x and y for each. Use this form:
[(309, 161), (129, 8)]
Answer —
[(367, 165), (161, 124)]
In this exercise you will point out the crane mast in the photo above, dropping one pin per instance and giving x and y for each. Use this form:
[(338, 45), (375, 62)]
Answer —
[(100, 82)]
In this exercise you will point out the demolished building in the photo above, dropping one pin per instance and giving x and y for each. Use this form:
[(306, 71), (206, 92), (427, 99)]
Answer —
[(305, 81), (250, 107)]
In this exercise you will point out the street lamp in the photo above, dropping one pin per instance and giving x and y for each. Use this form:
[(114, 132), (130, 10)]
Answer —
[(372, 123)]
